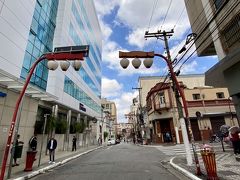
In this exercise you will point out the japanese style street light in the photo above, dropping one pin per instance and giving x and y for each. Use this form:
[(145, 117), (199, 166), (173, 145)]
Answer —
[(62, 54), (147, 63)]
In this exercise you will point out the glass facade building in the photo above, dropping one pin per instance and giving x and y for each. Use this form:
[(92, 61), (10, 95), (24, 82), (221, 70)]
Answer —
[(81, 31), (40, 40), (77, 24)]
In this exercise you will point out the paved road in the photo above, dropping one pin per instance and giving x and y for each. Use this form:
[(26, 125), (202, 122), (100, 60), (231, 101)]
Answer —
[(119, 162)]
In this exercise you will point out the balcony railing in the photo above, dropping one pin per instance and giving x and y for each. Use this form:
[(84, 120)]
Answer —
[(201, 103), (162, 106)]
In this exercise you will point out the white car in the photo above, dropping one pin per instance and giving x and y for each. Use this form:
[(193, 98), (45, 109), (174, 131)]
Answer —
[(111, 142)]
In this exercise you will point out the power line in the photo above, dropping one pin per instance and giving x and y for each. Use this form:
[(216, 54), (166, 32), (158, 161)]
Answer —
[(207, 37), (199, 22), (204, 29), (169, 5), (180, 15), (153, 9)]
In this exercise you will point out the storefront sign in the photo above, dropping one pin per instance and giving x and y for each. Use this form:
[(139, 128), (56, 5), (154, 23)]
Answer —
[(81, 107)]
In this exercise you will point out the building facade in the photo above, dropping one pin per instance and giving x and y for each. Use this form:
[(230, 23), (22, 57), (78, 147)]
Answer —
[(213, 103), (125, 130), (216, 22), (109, 107), (30, 29)]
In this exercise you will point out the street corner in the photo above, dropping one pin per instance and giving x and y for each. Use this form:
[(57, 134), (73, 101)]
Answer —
[(179, 164)]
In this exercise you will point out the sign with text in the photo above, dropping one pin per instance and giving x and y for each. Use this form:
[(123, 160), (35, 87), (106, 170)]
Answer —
[(81, 107)]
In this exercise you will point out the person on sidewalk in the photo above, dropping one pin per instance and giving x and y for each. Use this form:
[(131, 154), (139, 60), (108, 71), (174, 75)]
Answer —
[(236, 142), (52, 145), (74, 143), (17, 151), (33, 143), (99, 141)]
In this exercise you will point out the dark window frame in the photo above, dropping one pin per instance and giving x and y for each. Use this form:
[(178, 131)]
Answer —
[(196, 96)]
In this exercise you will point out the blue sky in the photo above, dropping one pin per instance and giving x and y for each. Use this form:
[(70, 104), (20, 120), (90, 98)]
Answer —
[(123, 24)]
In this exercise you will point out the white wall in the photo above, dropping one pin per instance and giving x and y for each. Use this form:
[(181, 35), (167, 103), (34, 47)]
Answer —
[(61, 38), (15, 21)]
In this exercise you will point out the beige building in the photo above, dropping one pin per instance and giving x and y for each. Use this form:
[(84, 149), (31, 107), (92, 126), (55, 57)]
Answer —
[(217, 25), (125, 130), (109, 107), (213, 103)]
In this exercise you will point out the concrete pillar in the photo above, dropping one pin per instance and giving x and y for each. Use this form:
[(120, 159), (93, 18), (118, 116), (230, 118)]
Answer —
[(214, 32), (69, 117), (186, 142), (55, 114), (86, 132)]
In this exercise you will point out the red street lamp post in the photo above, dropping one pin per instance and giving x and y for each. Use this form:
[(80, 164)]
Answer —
[(148, 62), (71, 53)]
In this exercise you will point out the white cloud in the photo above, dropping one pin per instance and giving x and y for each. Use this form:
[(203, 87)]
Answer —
[(110, 87), (190, 68), (136, 15), (113, 91), (123, 104), (105, 7)]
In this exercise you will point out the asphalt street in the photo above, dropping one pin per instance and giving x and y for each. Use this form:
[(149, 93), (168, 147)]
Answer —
[(118, 162)]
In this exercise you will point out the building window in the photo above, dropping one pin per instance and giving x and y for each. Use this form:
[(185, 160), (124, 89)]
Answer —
[(218, 3), (40, 41), (231, 32), (196, 96), (161, 98), (76, 92), (107, 106), (220, 95)]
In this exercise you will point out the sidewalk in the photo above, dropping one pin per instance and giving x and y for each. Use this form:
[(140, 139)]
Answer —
[(61, 157), (227, 166)]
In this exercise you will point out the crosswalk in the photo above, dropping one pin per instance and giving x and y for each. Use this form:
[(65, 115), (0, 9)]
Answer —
[(179, 150)]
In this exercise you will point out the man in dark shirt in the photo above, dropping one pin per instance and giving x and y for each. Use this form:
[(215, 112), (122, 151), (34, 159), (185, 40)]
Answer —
[(74, 143), (52, 145), (33, 143)]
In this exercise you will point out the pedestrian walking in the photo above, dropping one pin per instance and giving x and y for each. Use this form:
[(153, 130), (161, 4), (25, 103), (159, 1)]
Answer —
[(52, 145), (99, 141), (74, 143), (234, 137), (18, 151), (33, 143), (168, 137)]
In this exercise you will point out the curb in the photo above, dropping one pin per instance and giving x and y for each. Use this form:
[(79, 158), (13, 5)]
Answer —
[(39, 171), (183, 171)]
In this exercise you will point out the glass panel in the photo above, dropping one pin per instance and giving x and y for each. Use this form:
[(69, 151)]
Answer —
[(27, 60)]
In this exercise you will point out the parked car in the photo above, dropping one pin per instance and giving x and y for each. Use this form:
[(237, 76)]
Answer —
[(117, 141), (111, 142)]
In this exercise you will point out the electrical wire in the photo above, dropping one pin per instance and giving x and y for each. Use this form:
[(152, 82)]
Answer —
[(207, 37), (198, 21), (153, 9), (201, 33), (178, 20), (169, 5)]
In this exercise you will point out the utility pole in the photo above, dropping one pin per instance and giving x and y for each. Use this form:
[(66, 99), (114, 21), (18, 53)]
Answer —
[(164, 35)]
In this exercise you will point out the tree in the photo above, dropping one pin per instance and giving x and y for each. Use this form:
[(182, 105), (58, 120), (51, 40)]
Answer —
[(80, 126), (105, 135), (61, 126)]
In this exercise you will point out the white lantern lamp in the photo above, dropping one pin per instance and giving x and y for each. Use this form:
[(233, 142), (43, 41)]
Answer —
[(52, 65), (77, 65), (64, 65), (124, 63), (148, 62), (136, 63)]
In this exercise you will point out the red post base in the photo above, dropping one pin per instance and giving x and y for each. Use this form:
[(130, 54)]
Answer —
[(210, 164), (29, 160)]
